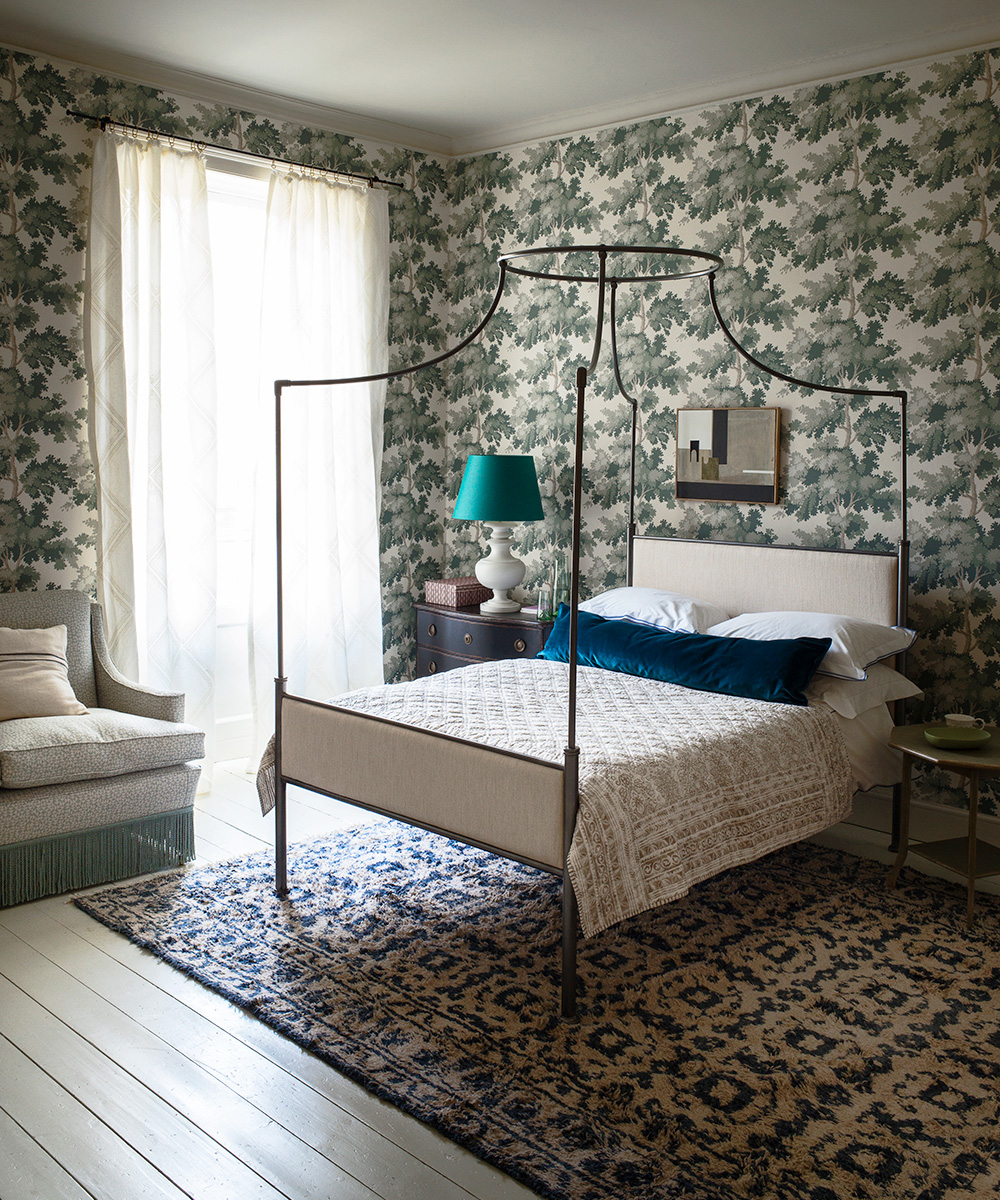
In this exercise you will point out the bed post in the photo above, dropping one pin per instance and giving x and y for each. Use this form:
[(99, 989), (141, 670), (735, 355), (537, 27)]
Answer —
[(280, 799), (902, 616), (280, 682), (902, 604), (630, 533), (630, 530), (280, 791), (571, 783), (571, 760)]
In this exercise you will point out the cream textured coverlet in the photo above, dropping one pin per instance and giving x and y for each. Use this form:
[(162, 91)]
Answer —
[(675, 785)]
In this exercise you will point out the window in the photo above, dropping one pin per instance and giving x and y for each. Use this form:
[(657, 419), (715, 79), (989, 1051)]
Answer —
[(237, 207)]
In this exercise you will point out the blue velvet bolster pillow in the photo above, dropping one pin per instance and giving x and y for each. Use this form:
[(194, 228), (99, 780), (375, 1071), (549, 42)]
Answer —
[(776, 670)]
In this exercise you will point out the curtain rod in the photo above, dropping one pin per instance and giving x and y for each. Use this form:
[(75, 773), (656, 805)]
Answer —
[(104, 122)]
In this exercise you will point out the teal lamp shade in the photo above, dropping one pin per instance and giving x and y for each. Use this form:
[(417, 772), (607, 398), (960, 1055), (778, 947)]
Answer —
[(500, 489)]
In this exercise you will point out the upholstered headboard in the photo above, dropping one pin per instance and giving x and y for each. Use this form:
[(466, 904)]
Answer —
[(750, 577)]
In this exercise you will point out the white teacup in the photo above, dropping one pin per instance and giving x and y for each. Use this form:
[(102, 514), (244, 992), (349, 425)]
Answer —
[(963, 721)]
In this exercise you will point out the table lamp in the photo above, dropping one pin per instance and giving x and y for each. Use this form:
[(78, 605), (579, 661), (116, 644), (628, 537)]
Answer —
[(499, 490)]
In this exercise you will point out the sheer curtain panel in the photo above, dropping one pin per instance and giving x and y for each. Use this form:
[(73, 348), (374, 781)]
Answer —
[(325, 316), (148, 319)]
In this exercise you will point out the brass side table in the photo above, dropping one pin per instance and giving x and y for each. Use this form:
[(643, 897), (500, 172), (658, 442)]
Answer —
[(968, 856)]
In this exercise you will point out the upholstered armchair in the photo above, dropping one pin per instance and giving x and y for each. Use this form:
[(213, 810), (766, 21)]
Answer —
[(102, 791)]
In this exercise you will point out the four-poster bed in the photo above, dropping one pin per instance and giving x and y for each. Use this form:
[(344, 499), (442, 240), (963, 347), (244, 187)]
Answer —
[(412, 753)]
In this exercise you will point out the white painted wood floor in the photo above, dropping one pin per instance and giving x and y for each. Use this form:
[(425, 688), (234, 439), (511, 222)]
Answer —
[(122, 1079)]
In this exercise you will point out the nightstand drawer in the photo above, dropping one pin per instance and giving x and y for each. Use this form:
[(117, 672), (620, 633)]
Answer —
[(455, 637), (432, 662), (447, 632), (473, 637), (502, 641)]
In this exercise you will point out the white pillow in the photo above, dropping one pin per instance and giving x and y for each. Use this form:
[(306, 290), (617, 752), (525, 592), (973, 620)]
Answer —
[(34, 675), (653, 606), (855, 645), (852, 697)]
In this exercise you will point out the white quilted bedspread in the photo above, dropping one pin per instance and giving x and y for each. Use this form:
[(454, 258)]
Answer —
[(675, 785)]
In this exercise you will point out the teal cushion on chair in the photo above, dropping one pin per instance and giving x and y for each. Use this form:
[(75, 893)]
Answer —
[(777, 671)]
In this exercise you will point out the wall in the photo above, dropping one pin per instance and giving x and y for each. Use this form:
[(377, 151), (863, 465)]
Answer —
[(47, 522), (858, 221)]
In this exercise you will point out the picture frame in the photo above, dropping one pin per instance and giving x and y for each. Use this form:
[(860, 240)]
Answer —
[(728, 455)]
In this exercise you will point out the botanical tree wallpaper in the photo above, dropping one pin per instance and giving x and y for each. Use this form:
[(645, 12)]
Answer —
[(858, 223), (46, 481)]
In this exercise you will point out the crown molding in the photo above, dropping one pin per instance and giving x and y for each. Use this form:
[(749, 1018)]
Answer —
[(815, 70), (911, 52), (190, 85)]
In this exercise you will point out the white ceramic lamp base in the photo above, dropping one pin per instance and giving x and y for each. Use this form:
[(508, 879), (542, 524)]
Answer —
[(500, 571)]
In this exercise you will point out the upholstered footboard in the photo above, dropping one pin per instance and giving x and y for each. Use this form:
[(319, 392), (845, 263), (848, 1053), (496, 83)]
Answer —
[(507, 802)]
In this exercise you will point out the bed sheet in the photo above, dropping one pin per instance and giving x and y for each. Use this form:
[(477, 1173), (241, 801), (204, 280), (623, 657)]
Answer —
[(866, 738)]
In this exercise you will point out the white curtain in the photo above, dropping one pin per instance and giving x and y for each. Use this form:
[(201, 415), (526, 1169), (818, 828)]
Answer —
[(149, 345), (325, 316)]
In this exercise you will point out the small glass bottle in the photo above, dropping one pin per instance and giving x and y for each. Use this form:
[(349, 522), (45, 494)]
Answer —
[(563, 582), (545, 602)]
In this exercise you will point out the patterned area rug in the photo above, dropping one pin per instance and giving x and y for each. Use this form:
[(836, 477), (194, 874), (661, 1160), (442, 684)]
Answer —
[(788, 1030)]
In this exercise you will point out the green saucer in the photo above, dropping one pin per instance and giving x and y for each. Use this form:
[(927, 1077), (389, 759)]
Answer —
[(957, 737)]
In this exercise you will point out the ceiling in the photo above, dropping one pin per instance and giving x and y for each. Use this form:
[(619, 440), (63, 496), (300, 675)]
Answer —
[(463, 76)]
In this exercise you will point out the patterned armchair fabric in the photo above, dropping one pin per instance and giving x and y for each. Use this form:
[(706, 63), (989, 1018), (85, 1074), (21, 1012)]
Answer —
[(88, 799)]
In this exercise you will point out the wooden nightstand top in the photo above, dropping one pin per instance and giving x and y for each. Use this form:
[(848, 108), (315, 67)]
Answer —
[(471, 612), (910, 739)]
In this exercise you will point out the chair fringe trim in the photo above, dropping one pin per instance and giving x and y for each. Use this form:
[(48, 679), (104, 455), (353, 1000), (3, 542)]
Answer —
[(48, 866)]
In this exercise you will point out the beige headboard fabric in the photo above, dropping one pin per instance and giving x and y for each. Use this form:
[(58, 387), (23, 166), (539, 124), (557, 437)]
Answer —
[(741, 577)]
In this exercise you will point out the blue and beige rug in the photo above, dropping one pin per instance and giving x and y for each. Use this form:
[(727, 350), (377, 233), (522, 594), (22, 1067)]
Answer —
[(789, 1030)]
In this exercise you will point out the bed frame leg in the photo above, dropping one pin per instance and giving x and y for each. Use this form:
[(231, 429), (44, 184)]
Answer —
[(568, 948), (280, 798), (571, 799), (280, 839)]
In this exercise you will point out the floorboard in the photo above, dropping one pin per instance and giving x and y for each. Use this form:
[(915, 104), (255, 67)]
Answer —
[(29, 1172), (198, 1131), (109, 1055), (227, 1076), (103, 1162), (416, 1138)]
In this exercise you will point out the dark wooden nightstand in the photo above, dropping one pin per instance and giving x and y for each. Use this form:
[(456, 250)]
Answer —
[(456, 637), (969, 856)]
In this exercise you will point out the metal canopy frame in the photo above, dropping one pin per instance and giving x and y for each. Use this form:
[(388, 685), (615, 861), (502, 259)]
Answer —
[(692, 264)]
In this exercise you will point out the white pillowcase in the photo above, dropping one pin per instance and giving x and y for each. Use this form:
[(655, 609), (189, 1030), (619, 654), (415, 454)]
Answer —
[(653, 606), (852, 697), (855, 645)]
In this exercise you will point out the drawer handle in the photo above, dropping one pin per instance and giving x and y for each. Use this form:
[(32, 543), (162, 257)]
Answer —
[(432, 667), (519, 646), (468, 639), (432, 630)]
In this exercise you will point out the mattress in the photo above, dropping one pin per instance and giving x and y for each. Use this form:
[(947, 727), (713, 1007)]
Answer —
[(675, 785)]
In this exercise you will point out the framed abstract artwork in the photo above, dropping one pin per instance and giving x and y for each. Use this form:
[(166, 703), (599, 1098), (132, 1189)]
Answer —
[(728, 454)]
